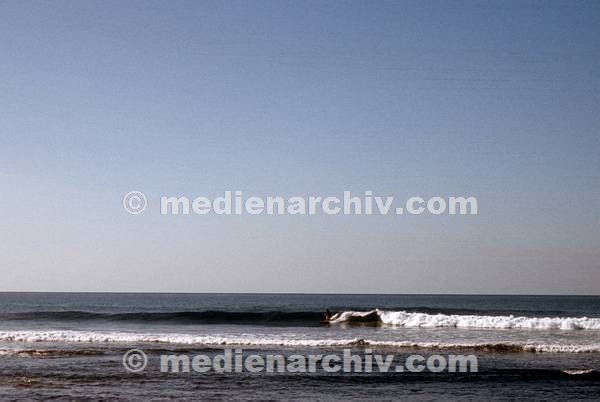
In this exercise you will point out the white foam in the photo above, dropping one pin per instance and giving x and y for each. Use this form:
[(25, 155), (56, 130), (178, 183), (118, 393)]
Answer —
[(250, 340), (578, 371), (423, 320)]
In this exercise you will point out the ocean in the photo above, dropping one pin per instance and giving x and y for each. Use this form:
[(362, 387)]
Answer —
[(71, 345)]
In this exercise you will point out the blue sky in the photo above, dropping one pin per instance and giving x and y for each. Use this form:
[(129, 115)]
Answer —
[(496, 100)]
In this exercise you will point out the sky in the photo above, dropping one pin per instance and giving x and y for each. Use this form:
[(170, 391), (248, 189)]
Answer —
[(497, 100)]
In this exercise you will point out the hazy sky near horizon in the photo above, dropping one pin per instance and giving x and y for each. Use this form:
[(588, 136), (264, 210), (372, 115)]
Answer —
[(499, 100)]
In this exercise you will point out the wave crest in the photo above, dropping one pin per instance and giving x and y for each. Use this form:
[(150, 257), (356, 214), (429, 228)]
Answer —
[(197, 340), (424, 320)]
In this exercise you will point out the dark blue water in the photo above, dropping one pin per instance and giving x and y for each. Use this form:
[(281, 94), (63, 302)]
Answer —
[(71, 344)]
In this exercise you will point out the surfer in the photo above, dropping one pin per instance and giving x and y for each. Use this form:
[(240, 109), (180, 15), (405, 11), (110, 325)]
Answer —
[(353, 317), (329, 316)]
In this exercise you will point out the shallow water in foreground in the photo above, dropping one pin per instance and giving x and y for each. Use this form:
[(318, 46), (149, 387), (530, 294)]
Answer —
[(71, 345)]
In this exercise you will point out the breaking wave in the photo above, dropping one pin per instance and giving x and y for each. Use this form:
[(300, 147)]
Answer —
[(409, 319), (423, 320), (69, 336)]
